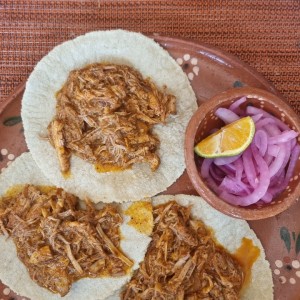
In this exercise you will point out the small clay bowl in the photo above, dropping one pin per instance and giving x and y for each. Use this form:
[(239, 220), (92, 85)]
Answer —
[(204, 120)]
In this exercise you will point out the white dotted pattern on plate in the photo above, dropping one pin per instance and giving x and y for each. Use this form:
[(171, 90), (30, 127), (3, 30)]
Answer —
[(6, 292), (193, 61), (278, 271), (10, 157)]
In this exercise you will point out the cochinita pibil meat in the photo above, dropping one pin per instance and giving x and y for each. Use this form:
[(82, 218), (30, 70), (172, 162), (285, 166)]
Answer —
[(105, 113), (184, 262), (58, 241)]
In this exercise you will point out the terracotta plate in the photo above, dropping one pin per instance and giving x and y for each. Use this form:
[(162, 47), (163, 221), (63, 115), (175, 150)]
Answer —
[(210, 71)]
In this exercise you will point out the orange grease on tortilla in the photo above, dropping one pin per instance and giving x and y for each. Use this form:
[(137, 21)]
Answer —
[(14, 190), (141, 216), (246, 255), (107, 168), (18, 188), (67, 174)]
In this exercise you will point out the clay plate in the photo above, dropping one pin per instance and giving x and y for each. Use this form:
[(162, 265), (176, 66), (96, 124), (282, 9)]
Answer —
[(210, 71)]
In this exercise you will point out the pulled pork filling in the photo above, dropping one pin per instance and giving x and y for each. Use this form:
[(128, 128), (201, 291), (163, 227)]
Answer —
[(104, 114), (184, 262), (58, 241)]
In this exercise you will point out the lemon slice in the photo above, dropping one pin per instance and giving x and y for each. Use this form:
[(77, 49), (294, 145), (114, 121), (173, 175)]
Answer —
[(230, 140)]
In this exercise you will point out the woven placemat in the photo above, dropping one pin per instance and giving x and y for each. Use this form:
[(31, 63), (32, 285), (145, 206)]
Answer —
[(263, 33)]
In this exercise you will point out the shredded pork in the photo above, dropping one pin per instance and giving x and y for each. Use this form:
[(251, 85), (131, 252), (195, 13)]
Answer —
[(58, 241), (104, 114), (184, 262)]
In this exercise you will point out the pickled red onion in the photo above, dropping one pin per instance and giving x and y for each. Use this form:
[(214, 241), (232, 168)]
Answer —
[(226, 115), (264, 169)]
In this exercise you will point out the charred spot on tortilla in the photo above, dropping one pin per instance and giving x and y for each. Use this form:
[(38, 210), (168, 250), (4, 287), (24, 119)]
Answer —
[(58, 241), (104, 115), (183, 261)]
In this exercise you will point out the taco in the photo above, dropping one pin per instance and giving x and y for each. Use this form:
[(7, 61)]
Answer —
[(52, 245), (197, 252), (108, 110)]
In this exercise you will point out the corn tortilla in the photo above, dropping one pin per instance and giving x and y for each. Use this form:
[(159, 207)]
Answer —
[(116, 46), (229, 232), (13, 273)]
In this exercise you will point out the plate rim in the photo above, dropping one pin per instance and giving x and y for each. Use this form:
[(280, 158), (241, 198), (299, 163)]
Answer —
[(236, 61), (171, 43)]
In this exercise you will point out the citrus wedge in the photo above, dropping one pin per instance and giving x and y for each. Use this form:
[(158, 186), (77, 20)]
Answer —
[(230, 140)]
